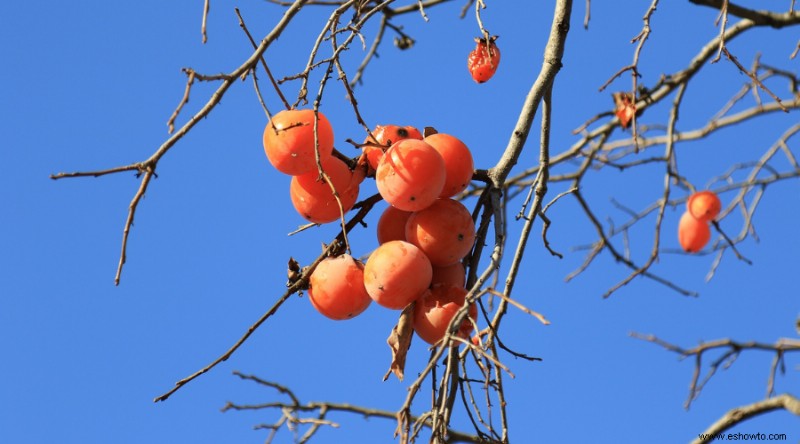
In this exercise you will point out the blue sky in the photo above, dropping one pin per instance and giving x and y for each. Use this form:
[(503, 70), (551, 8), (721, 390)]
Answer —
[(90, 85)]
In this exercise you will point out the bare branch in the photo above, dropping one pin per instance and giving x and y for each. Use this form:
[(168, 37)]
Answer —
[(730, 351), (740, 414), (206, 7)]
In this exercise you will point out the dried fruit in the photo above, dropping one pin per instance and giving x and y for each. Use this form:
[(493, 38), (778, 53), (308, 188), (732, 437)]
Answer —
[(484, 59)]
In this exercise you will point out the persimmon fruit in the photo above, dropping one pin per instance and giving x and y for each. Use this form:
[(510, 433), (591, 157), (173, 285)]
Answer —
[(290, 143), (624, 107), (458, 162), (396, 274), (693, 234), (384, 137), (313, 198), (337, 289), (454, 275), (704, 205), (482, 61), (392, 225), (434, 311), (410, 175), (444, 231)]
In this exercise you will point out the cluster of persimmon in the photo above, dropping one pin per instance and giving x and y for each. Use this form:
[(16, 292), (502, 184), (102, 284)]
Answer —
[(694, 231), (423, 235)]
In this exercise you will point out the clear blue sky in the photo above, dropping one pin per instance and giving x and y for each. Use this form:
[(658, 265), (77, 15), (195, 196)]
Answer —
[(90, 84)]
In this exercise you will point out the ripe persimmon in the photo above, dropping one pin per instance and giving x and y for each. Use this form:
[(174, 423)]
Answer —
[(704, 205), (289, 141), (337, 288), (313, 198), (693, 234), (435, 310), (457, 162), (454, 275), (444, 231), (396, 274), (411, 175), (384, 137), (392, 225)]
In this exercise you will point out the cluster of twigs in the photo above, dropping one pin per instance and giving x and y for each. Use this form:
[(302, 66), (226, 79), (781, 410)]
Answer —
[(724, 353), (474, 372), (730, 351)]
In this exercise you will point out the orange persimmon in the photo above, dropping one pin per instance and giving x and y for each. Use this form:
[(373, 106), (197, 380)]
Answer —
[(337, 289), (693, 234), (397, 273), (411, 175), (289, 141), (704, 205)]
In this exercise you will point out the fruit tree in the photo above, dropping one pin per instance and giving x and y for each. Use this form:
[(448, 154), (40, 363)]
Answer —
[(417, 170)]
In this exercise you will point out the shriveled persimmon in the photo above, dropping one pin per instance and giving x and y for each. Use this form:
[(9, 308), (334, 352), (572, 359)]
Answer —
[(337, 288), (693, 234), (396, 274), (454, 275), (313, 197), (289, 140), (384, 137), (624, 107), (392, 225), (458, 162), (444, 231), (483, 61), (411, 175), (704, 205), (435, 310)]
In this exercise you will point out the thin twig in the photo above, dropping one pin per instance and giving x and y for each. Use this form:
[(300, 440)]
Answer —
[(206, 7)]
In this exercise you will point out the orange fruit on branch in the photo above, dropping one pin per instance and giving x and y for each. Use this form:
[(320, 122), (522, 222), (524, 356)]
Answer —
[(454, 275), (313, 197), (392, 225), (411, 175), (384, 137), (484, 59), (458, 162), (435, 310), (444, 231), (289, 141), (337, 288), (396, 274), (693, 234), (704, 205)]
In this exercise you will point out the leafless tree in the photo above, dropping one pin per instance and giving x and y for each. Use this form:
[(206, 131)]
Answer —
[(473, 373)]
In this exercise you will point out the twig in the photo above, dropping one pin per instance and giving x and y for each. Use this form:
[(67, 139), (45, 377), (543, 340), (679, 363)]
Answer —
[(263, 63), (754, 78), (372, 52), (148, 166), (294, 287), (171, 122), (723, 17), (206, 7), (324, 407), (588, 14), (525, 309), (731, 351)]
